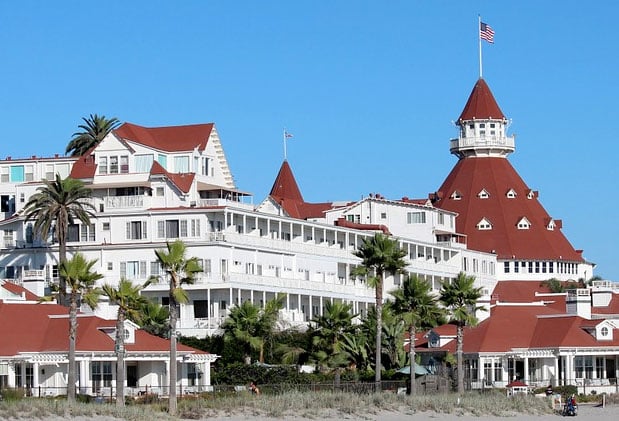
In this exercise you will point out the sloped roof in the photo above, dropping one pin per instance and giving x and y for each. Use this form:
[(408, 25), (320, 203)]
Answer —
[(497, 176), (170, 138), (287, 194), (85, 166), (29, 328), (18, 290), (481, 104), (611, 308), (525, 292), (182, 181)]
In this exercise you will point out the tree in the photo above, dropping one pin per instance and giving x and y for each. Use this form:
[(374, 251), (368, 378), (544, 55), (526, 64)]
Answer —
[(380, 255), (328, 336), (81, 280), (253, 327), (56, 205), (460, 297), (94, 129), (180, 270), (418, 307), (129, 301), (153, 318)]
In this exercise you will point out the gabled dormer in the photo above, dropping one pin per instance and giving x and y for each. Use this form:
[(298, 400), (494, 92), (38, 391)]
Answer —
[(550, 224), (523, 223), (441, 335), (483, 194), (484, 224), (456, 195), (604, 331), (129, 331), (511, 194)]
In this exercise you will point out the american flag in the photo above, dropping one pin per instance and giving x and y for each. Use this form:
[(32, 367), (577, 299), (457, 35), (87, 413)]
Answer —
[(486, 32), (288, 135)]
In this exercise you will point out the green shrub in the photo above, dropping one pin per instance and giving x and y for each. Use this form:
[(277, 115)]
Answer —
[(13, 394)]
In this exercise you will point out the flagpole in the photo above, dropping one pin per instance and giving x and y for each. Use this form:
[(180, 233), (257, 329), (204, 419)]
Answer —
[(479, 38), (285, 156)]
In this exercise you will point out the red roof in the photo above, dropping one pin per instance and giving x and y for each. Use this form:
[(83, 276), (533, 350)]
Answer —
[(170, 139), (33, 328), (496, 176), (286, 193), (19, 290), (85, 166), (481, 104), (525, 292)]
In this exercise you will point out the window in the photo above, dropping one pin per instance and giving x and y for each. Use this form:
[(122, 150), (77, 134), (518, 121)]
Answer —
[(49, 171), (383, 215), (506, 267), (103, 165), (516, 267), (29, 172), (195, 227), (584, 366), (498, 371), (604, 331), (113, 165), (106, 226), (24, 377), (87, 232), (482, 125), (456, 195), (204, 166), (416, 217), (101, 374), (124, 164), (200, 309), (483, 194), (73, 233), (511, 194), (17, 174), (110, 266), (4, 175), (163, 161), (354, 218), (159, 191), (465, 264), (136, 230), (133, 269), (172, 228), (441, 218), (484, 224), (181, 164), (6, 203), (524, 224), (155, 268), (143, 163)]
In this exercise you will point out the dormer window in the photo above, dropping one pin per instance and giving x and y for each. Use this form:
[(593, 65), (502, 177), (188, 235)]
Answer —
[(511, 194), (456, 195), (551, 225), (530, 195), (483, 194), (484, 225), (604, 331), (524, 224)]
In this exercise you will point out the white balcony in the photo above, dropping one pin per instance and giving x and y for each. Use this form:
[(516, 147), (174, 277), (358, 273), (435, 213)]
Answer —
[(205, 203), (124, 202)]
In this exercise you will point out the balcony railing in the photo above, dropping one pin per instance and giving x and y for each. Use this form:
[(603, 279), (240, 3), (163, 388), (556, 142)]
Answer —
[(123, 202)]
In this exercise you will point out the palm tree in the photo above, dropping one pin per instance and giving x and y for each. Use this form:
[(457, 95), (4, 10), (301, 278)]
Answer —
[(460, 298), (380, 255), (56, 205), (328, 336), (180, 270), (253, 327), (81, 280), (93, 131), (153, 318), (129, 301), (418, 307)]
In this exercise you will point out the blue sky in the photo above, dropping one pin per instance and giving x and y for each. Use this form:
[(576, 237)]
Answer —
[(368, 88)]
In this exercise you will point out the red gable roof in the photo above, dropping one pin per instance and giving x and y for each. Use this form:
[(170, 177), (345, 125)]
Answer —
[(44, 327), (497, 176), (19, 290), (286, 193), (85, 166), (182, 181), (481, 104), (170, 139)]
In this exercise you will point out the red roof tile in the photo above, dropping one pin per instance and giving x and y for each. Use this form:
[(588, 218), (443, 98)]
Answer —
[(170, 139), (19, 290), (497, 176), (182, 181), (481, 104)]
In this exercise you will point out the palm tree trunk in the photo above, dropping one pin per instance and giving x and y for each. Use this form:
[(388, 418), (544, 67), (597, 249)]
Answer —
[(379, 331), (72, 339), (411, 356), (172, 391), (62, 257), (120, 359), (459, 354)]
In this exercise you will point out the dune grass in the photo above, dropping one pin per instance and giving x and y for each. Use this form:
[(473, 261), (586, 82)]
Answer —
[(314, 405)]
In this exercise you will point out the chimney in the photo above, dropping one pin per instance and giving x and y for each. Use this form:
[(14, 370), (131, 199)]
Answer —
[(578, 302)]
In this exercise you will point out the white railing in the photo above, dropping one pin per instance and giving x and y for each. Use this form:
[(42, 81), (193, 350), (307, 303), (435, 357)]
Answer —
[(223, 202), (32, 274), (483, 142), (123, 202)]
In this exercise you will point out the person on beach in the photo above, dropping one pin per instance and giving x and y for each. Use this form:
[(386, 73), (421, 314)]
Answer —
[(254, 389)]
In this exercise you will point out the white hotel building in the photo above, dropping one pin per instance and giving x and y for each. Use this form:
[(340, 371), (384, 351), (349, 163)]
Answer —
[(152, 185)]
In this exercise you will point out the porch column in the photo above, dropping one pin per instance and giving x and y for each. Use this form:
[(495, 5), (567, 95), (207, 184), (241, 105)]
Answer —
[(35, 379), (526, 370), (264, 298), (210, 307), (311, 315), (320, 311), (84, 376), (238, 297), (555, 378), (251, 296), (231, 301), (492, 379)]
